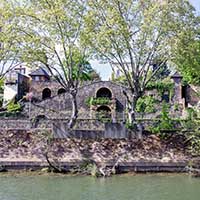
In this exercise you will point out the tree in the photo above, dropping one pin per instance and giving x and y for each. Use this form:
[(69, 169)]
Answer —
[(8, 39), (1, 92), (134, 34), (50, 32), (94, 76), (187, 57)]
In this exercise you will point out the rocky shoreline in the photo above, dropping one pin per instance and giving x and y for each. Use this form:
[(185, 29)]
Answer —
[(29, 150)]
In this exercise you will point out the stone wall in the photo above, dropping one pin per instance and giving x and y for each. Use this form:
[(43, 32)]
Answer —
[(15, 124), (108, 130), (36, 88), (193, 95), (83, 129), (24, 124), (59, 106)]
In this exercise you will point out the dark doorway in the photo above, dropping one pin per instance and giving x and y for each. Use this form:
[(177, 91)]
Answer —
[(184, 91), (61, 91), (165, 97), (46, 93), (104, 92), (184, 94)]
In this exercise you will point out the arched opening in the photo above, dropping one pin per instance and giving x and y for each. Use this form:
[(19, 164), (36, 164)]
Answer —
[(46, 93), (104, 114), (61, 91), (104, 92)]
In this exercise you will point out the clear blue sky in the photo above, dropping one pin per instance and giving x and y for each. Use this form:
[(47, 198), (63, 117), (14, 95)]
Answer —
[(196, 4), (105, 70)]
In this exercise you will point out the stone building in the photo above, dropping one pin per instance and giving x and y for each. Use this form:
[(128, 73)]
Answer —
[(97, 100), (49, 99), (16, 84)]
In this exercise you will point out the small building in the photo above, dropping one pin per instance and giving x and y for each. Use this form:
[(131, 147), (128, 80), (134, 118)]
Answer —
[(16, 84), (40, 75)]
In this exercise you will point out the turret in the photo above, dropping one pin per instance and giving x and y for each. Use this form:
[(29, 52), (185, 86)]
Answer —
[(178, 96)]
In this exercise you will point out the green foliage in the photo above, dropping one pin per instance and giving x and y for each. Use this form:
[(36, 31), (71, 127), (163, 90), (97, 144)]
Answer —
[(104, 116), (165, 122), (9, 46), (1, 85), (193, 137), (129, 35), (121, 79), (51, 38), (176, 107), (82, 69), (162, 86), (190, 128), (163, 71), (195, 144), (192, 114), (187, 57), (97, 101), (130, 126), (13, 107), (1, 91), (146, 104)]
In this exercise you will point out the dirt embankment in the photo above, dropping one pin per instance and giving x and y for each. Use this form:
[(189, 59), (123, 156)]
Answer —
[(27, 146)]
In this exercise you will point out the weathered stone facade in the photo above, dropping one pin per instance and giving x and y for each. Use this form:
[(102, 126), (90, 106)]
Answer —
[(58, 106), (49, 99)]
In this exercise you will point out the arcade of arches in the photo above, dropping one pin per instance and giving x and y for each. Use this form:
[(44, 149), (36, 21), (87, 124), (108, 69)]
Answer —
[(105, 111)]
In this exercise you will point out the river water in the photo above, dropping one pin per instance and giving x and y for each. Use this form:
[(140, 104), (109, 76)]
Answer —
[(123, 187)]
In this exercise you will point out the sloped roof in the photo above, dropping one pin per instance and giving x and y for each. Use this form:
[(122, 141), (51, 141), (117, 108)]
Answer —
[(39, 72), (176, 75)]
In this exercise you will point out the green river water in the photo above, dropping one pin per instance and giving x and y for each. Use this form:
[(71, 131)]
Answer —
[(123, 187)]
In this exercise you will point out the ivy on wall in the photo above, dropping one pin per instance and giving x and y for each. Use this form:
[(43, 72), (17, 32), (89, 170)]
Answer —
[(104, 116), (165, 122), (97, 101), (146, 104), (13, 107), (162, 87)]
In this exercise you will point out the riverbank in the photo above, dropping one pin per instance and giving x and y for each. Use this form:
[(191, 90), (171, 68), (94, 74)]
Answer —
[(28, 151), (137, 167)]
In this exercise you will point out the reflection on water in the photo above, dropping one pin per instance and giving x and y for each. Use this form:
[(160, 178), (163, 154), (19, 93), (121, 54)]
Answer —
[(126, 187)]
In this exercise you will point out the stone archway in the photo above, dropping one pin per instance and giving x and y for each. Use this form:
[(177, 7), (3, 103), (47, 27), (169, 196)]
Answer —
[(61, 91), (104, 92), (46, 93)]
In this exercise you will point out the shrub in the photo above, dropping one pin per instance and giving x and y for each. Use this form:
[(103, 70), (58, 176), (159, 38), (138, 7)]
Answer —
[(162, 86), (104, 116), (191, 113), (13, 107), (165, 122), (97, 101), (146, 104)]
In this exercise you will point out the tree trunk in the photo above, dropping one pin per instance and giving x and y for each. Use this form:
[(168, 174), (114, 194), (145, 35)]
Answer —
[(135, 126), (131, 110), (74, 114)]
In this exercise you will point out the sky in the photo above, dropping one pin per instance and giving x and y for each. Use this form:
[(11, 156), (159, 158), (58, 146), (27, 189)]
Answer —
[(105, 70), (196, 4)]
